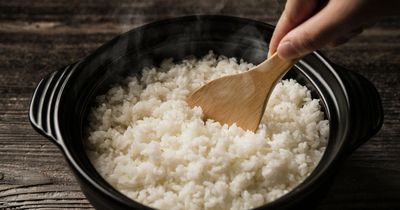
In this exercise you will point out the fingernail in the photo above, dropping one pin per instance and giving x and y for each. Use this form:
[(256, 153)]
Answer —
[(287, 50)]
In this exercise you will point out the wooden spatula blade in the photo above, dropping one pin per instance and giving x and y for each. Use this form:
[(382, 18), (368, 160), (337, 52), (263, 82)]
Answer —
[(240, 98), (232, 99)]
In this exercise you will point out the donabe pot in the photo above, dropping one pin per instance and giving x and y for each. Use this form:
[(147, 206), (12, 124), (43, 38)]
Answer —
[(61, 101)]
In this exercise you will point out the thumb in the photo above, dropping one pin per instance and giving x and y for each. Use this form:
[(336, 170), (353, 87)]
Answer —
[(315, 33)]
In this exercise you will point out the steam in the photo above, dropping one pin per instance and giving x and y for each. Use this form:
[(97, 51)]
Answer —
[(132, 14)]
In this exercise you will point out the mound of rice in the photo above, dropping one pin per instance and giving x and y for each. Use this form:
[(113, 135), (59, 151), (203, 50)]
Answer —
[(148, 144)]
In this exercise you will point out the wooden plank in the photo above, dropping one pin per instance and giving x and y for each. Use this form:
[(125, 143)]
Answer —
[(38, 37)]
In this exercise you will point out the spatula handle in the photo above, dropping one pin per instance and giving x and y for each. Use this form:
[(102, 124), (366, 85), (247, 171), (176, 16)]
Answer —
[(274, 68)]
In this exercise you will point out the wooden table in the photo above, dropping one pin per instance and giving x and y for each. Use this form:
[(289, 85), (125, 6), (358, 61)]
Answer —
[(37, 37)]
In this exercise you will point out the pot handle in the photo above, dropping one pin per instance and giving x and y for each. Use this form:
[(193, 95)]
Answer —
[(365, 107), (43, 109)]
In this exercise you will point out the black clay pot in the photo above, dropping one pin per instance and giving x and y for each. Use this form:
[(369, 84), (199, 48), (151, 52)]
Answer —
[(61, 101)]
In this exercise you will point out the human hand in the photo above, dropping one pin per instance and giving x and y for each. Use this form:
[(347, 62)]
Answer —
[(308, 25)]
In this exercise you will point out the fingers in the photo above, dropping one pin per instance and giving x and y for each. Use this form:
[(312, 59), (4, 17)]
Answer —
[(321, 29), (295, 12)]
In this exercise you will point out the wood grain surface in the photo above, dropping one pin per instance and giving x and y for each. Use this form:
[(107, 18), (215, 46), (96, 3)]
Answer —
[(38, 37)]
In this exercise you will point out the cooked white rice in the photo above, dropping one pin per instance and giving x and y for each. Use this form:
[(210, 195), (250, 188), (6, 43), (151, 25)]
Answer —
[(148, 144)]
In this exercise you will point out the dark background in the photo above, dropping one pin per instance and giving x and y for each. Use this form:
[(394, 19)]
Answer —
[(40, 36)]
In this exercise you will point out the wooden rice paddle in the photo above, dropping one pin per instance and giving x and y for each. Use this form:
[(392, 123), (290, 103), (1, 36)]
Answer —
[(241, 98)]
